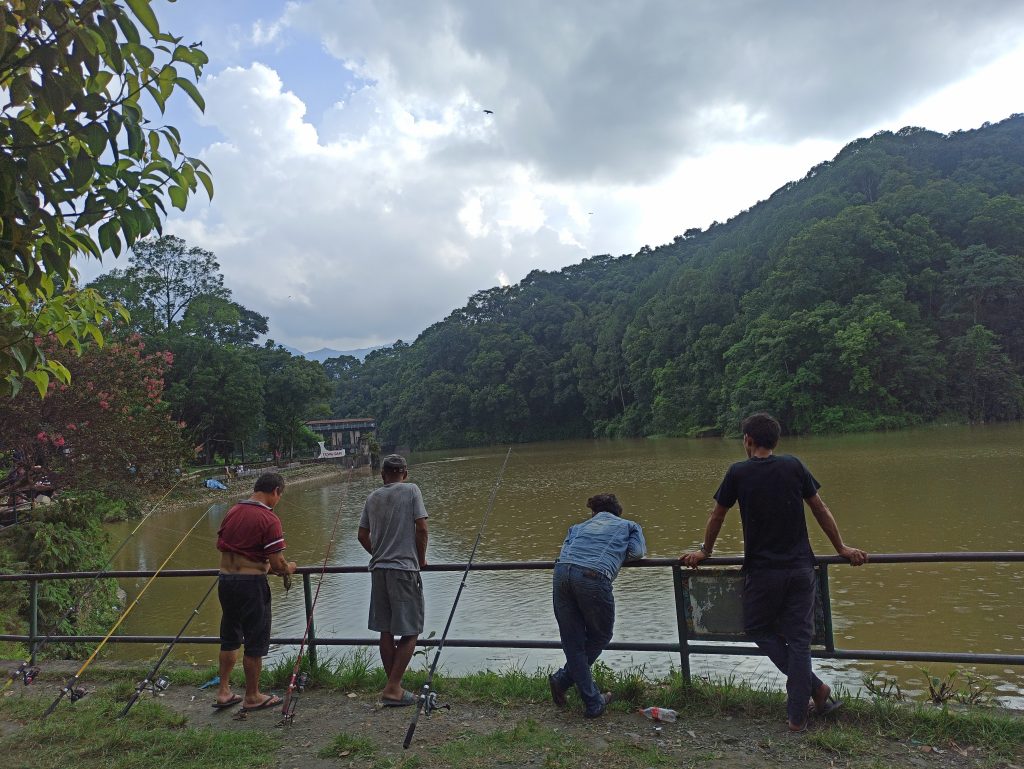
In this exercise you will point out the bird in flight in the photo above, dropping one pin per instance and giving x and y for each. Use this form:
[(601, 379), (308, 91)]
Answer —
[(488, 111)]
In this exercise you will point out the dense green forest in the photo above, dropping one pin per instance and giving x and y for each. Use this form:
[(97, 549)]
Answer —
[(884, 289)]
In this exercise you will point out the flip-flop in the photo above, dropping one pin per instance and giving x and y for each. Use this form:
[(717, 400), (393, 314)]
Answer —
[(830, 706), (408, 698), (235, 699), (269, 702)]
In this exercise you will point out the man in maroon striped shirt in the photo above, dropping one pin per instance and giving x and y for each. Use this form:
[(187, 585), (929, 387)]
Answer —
[(251, 544)]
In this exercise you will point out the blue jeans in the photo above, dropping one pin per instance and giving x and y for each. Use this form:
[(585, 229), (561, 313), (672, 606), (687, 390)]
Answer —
[(778, 613), (585, 612)]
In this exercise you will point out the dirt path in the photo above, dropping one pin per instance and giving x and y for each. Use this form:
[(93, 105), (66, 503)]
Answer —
[(617, 739), (539, 735)]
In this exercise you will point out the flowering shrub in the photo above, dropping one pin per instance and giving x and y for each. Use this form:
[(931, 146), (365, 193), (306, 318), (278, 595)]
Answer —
[(109, 429)]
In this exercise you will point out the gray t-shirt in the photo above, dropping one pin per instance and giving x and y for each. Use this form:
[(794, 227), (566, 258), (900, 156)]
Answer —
[(390, 513)]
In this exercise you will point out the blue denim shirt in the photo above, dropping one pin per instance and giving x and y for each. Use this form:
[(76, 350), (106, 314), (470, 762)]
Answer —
[(603, 543)]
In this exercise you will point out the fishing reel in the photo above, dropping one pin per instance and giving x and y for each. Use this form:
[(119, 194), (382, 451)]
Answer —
[(158, 685), (288, 711), (25, 673), (75, 694), (431, 703)]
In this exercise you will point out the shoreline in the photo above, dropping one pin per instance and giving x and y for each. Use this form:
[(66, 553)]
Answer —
[(191, 492)]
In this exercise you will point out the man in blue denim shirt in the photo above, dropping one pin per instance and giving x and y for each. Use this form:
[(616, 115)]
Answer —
[(591, 556)]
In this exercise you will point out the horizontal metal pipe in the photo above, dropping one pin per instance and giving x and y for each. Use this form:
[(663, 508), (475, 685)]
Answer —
[(879, 558), (478, 643)]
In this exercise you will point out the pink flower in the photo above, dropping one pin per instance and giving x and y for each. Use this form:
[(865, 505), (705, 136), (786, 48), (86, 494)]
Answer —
[(58, 441), (104, 405), (41, 437), (71, 426)]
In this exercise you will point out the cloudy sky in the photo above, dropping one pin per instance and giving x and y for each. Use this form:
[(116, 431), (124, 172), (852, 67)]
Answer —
[(362, 192)]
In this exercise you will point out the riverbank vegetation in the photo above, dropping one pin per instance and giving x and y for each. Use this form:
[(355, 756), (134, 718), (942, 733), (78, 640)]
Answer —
[(497, 718), (884, 289)]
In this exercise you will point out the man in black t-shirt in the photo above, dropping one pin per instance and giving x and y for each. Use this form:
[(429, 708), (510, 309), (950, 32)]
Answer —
[(778, 564)]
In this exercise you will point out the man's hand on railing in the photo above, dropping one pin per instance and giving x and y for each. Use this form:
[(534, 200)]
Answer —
[(855, 556), (693, 559)]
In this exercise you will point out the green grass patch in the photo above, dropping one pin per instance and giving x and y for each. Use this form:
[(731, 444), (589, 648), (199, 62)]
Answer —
[(87, 735), (345, 745), (352, 671), (840, 740), (527, 742)]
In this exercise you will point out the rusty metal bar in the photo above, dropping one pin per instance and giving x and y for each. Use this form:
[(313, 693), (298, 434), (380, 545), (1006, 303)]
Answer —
[(732, 560)]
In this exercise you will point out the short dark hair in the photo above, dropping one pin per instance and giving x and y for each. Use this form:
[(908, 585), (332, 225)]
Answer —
[(764, 429), (604, 503), (269, 483)]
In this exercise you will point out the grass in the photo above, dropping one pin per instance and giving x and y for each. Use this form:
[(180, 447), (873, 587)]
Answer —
[(633, 688), (346, 745), (89, 736), (527, 742)]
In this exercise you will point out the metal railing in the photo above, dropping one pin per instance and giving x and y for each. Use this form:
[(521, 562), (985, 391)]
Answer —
[(687, 644)]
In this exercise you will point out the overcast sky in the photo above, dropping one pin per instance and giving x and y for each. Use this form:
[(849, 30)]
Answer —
[(362, 193)]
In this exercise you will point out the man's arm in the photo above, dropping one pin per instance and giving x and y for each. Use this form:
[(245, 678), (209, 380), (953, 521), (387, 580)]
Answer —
[(636, 547), (421, 541), (828, 524), (364, 539), (714, 525), (279, 565)]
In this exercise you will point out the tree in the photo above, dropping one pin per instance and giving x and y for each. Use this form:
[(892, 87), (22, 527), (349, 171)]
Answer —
[(81, 169), (172, 275), (217, 390), (296, 390)]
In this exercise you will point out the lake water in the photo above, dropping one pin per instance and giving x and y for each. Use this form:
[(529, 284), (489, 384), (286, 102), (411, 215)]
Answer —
[(934, 489)]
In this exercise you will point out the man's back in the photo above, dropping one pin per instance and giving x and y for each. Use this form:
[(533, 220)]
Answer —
[(771, 492), (390, 515)]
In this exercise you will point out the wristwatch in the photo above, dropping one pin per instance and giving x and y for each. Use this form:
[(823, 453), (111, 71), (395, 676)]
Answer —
[(704, 549)]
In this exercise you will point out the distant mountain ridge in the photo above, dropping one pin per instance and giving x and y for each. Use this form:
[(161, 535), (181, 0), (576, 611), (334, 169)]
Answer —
[(326, 352)]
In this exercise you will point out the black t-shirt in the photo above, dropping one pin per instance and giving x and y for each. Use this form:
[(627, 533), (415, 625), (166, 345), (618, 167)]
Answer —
[(771, 492)]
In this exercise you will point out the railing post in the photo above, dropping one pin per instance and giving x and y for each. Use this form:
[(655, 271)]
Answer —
[(33, 618), (826, 606), (684, 634), (307, 594)]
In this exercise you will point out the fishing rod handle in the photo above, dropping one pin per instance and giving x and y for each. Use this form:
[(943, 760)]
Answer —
[(132, 700), (421, 702)]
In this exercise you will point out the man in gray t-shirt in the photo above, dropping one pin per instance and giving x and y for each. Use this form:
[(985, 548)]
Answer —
[(393, 530)]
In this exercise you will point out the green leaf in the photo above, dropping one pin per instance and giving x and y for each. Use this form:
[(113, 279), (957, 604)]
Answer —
[(207, 182), (179, 197), (189, 87), (145, 15), (40, 378)]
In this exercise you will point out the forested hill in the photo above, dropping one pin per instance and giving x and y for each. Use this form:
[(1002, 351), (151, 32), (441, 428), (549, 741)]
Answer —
[(885, 288)]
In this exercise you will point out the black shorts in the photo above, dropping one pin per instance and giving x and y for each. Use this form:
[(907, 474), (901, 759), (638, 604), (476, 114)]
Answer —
[(245, 603)]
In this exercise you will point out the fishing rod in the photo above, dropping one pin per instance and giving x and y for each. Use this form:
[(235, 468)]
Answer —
[(26, 670), (69, 687), (297, 683), (426, 702), (159, 684)]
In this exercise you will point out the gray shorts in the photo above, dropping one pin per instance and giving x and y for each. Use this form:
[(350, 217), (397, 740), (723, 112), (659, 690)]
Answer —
[(396, 602)]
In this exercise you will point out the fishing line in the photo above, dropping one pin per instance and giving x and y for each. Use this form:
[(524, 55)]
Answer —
[(298, 681), (426, 702), (159, 684), (69, 686), (38, 646)]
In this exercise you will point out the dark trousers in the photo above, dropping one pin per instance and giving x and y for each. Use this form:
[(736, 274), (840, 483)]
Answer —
[(778, 613), (585, 612)]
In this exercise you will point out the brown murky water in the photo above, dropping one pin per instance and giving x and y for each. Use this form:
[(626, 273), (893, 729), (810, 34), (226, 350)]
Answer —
[(936, 489)]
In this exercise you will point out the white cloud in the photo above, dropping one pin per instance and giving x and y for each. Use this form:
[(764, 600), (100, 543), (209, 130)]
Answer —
[(614, 126)]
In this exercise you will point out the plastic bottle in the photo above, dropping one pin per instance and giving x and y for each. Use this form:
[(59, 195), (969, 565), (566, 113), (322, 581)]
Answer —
[(660, 714)]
